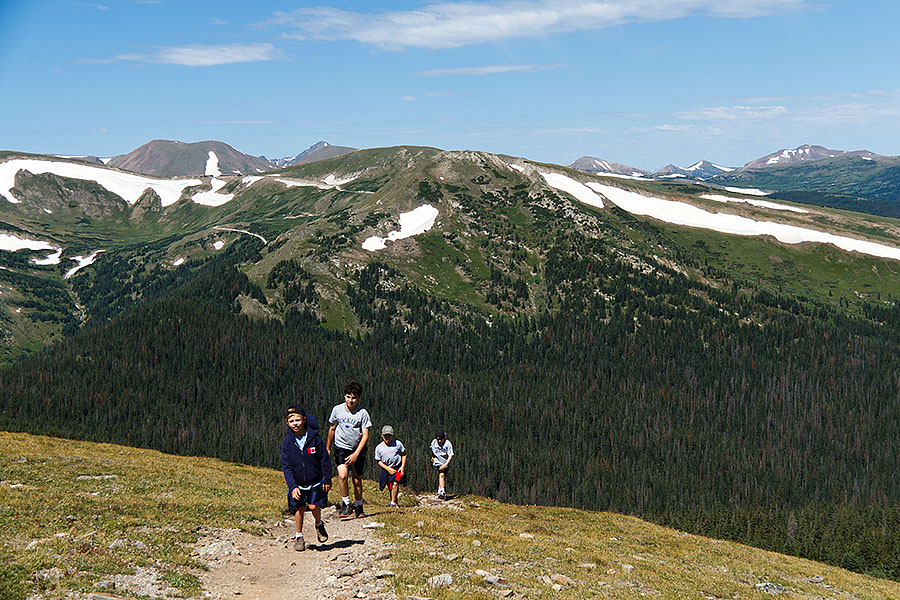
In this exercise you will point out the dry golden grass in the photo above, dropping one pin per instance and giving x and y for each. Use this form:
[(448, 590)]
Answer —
[(62, 503)]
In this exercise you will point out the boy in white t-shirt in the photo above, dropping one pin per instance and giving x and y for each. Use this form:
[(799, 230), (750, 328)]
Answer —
[(349, 433), (441, 455), (391, 457)]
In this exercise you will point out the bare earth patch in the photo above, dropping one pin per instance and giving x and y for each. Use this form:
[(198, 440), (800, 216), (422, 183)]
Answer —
[(245, 566)]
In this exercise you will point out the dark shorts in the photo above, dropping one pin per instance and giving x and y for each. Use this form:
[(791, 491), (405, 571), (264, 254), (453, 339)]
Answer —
[(438, 467), (386, 480), (357, 468), (315, 497)]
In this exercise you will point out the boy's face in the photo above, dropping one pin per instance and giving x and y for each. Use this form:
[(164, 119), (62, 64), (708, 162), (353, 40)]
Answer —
[(351, 400), (296, 422), (387, 438)]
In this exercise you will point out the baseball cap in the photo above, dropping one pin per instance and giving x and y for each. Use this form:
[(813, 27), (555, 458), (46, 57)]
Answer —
[(387, 430)]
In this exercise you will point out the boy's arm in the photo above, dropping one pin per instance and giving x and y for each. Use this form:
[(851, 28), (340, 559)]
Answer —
[(286, 468), (384, 466), (360, 445), (330, 440), (403, 462), (325, 459)]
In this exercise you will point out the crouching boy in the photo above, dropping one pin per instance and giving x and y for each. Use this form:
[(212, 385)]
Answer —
[(307, 471)]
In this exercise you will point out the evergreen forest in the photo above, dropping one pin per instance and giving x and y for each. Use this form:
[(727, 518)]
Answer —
[(732, 412)]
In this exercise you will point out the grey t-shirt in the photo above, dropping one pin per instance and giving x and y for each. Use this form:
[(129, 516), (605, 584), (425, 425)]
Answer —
[(390, 454), (441, 452), (350, 425)]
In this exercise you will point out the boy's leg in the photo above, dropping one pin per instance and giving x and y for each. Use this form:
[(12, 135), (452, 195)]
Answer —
[(343, 472), (395, 492), (357, 487), (442, 480), (321, 534), (299, 542)]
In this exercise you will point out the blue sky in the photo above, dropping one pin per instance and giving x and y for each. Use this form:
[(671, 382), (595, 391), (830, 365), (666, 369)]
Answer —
[(640, 82)]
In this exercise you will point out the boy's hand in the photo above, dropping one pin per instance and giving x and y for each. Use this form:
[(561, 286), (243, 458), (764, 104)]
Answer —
[(327, 487), (295, 493), (351, 459)]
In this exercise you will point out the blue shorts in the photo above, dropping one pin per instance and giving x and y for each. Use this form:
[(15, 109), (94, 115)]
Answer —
[(312, 497)]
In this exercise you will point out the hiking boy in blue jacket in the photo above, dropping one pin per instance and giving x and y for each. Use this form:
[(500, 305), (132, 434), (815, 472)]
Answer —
[(307, 471)]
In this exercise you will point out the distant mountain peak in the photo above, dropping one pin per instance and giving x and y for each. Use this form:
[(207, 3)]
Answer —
[(702, 169), (598, 166), (803, 153), (174, 158), (318, 151)]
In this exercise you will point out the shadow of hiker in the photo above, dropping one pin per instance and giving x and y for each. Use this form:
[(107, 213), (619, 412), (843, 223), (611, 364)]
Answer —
[(336, 545)]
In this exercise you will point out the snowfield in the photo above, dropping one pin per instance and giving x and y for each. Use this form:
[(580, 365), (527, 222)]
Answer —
[(127, 186), (414, 222), (752, 202), (82, 261), (680, 213), (212, 165), (11, 243)]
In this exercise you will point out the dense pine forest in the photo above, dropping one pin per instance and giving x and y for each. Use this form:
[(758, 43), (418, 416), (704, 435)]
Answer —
[(736, 413)]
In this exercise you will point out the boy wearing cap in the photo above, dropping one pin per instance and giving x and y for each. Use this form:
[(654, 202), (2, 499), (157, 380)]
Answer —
[(441, 455), (307, 471), (349, 433), (391, 457)]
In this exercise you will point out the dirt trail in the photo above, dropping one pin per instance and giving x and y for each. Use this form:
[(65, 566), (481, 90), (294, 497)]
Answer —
[(352, 563)]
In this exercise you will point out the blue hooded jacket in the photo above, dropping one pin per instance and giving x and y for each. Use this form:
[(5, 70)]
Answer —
[(309, 466)]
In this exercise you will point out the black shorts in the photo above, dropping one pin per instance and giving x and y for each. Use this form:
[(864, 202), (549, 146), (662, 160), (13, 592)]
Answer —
[(315, 497), (341, 454)]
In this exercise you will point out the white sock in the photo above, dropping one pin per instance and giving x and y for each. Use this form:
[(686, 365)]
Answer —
[(440, 490), (346, 500), (298, 535)]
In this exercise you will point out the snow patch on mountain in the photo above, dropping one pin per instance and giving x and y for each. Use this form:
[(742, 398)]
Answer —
[(574, 188), (748, 191), (212, 165), (414, 222), (52, 259), (759, 203), (680, 213), (212, 197), (125, 185), (82, 261), (11, 243)]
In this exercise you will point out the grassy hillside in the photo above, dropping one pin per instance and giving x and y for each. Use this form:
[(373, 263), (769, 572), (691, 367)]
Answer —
[(64, 505)]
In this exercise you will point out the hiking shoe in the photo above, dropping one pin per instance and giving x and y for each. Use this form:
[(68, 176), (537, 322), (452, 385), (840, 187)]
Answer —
[(359, 511), (299, 544), (345, 510), (442, 496), (321, 534), (393, 505)]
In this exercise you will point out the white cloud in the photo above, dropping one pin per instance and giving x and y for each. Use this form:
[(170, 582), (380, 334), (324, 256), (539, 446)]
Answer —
[(197, 55), (452, 24), (206, 56), (488, 70), (732, 113)]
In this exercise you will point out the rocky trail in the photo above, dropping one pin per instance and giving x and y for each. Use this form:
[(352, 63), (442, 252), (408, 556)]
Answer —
[(353, 563)]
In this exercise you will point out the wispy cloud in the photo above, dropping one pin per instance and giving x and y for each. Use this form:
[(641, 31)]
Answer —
[(733, 113), (488, 70), (452, 24), (197, 55)]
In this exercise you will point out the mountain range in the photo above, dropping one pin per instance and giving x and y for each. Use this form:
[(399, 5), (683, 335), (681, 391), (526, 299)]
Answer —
[(700, 354)]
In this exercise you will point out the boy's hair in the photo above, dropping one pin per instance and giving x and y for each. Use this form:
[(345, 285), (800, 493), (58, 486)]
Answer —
[(354, 388)]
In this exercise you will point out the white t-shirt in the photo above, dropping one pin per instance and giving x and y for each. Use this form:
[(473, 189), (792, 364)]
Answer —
[(390, 454), (441, 453), (350, 425)]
